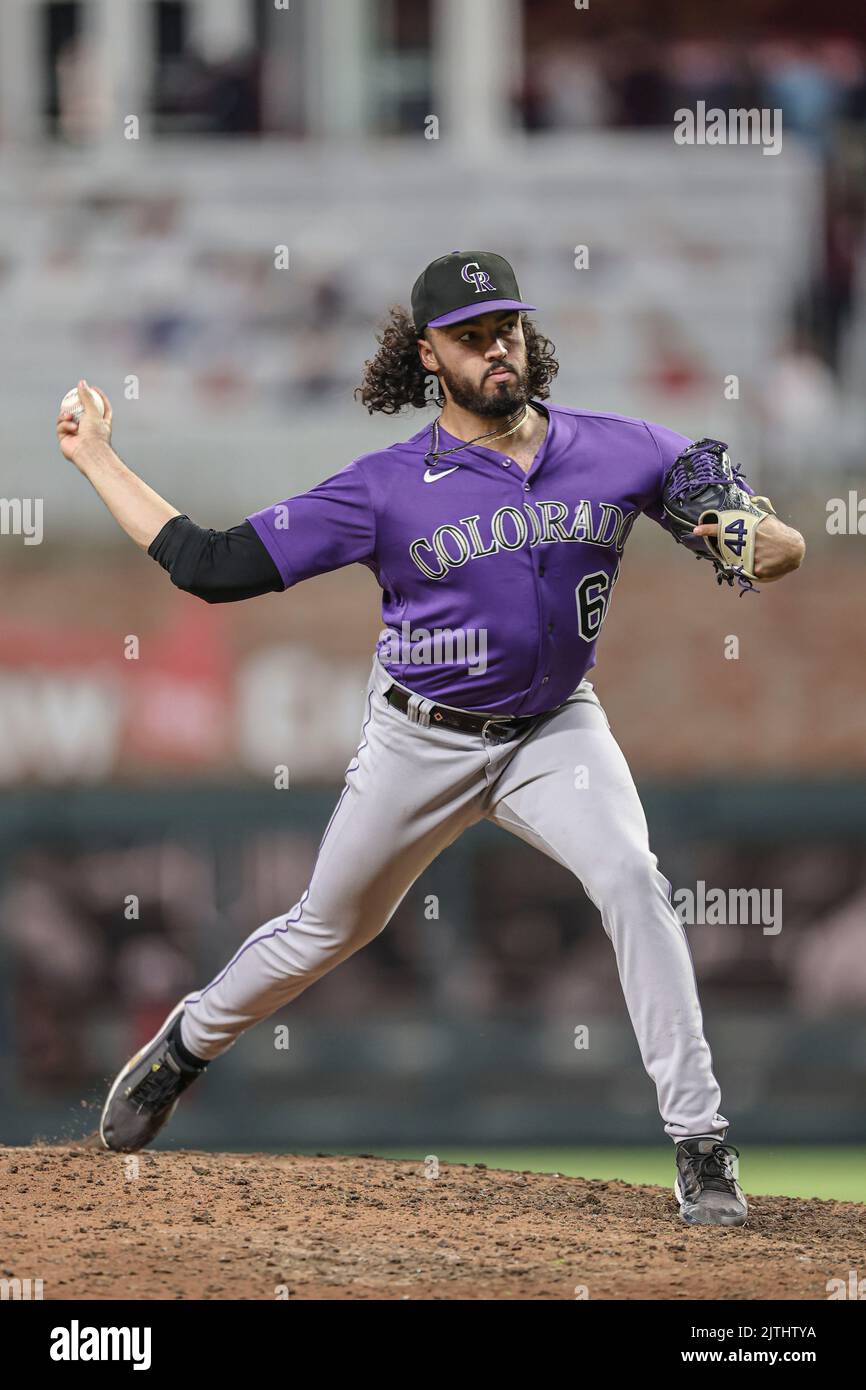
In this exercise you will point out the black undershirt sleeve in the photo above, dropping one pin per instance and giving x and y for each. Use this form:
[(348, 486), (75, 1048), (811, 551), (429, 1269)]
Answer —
[(217, 566)]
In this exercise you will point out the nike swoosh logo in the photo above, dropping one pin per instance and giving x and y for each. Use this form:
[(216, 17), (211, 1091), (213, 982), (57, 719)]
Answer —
[(442, 473)]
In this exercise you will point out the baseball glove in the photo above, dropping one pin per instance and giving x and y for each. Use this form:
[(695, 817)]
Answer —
[(702, 487)]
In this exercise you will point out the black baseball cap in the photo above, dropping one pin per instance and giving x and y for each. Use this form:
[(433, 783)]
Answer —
[(461, 285)]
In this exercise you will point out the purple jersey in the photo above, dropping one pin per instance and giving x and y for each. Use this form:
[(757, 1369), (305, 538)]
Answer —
[(495, 583)]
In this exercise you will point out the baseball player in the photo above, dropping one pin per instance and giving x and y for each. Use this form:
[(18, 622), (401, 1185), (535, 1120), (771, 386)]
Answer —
[(496, 535)]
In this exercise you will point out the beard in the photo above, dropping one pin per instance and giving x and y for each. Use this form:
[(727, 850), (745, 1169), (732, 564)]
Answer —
[(506, 398)]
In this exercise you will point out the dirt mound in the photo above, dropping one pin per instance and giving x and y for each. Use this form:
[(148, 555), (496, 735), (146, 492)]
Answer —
[(192, 1225)]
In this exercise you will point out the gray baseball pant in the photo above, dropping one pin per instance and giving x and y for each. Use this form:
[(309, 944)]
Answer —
[(410, 791)]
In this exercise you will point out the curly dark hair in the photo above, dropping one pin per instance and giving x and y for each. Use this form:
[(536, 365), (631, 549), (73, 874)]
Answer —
[(396, 376)]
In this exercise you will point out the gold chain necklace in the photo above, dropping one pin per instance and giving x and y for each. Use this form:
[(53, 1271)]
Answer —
[(435, 453)]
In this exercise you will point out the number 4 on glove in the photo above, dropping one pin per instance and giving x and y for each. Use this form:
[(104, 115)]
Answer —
[(703, 488)]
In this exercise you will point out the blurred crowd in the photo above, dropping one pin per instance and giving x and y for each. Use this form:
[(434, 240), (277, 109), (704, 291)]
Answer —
[(109, 939), (630, 79), (804, 403), (637, 80)]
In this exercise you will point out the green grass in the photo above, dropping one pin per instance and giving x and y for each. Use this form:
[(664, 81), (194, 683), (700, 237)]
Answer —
[(836, 1172)]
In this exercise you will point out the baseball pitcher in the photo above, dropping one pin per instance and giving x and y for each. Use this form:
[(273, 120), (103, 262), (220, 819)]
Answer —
[(496, 535)]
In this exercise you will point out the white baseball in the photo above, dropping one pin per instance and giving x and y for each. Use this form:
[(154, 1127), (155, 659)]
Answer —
[(72, 403)]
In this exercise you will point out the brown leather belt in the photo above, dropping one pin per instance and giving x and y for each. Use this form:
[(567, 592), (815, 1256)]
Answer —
[(498, 728)]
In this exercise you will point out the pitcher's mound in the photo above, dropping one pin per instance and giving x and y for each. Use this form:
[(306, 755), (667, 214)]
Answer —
[(95, 1225)]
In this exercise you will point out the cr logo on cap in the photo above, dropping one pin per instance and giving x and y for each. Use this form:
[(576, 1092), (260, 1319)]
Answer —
[(474, 275)]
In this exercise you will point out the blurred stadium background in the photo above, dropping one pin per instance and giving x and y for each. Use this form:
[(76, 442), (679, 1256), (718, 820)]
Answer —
[(147, 264)]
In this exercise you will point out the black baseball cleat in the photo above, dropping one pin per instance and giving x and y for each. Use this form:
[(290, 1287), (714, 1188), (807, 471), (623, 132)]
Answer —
[(706, 1188), (146, 1091)]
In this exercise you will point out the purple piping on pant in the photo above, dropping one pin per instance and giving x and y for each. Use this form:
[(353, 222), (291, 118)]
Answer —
[(291, 922)]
